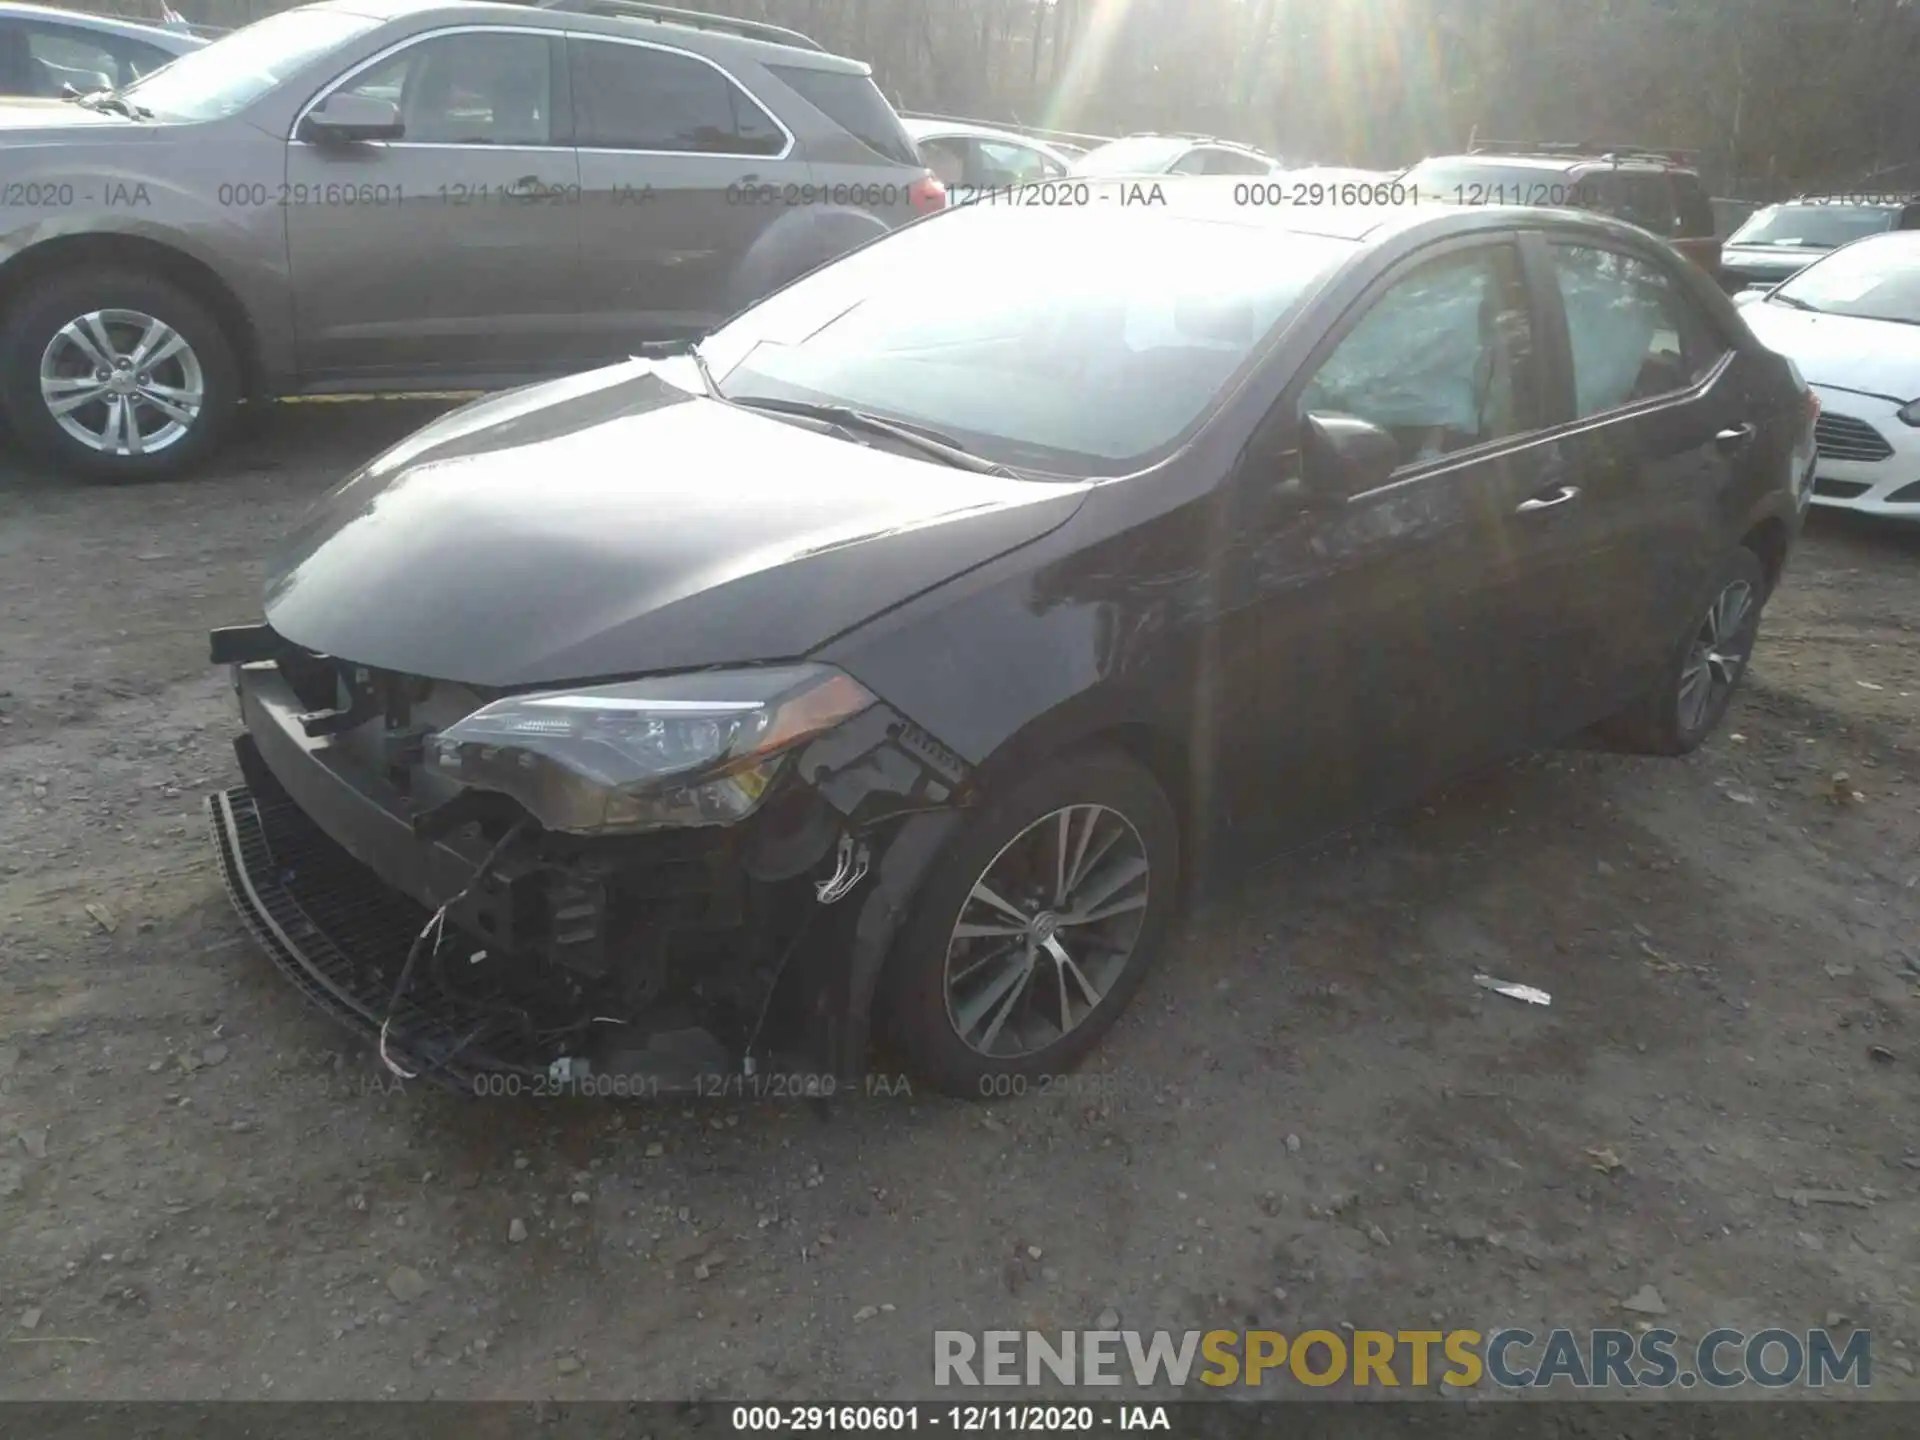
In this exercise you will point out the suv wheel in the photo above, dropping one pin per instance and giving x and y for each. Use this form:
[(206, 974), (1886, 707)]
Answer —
[(1688, 701), (116, 375), (1034, 929)]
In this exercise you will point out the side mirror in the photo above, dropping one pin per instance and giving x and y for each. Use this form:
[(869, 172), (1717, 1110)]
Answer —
[(1342, 456), (348, 119)]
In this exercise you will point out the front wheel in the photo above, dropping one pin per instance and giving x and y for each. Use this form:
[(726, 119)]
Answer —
[(1035, 927), (1681, 710), (115, 375)]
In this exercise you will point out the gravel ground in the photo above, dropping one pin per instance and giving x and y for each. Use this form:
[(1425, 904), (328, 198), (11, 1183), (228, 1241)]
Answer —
[(1311, 1117)]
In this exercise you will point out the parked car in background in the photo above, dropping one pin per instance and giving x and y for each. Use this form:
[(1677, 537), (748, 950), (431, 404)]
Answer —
[(1173, 155), (969, 158), (50, 53), (1781, 240), (417, 194), (909, 661), (1851, 322), (1657, 189)]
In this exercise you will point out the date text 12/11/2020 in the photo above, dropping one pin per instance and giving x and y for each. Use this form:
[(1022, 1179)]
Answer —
[(959, 1419)]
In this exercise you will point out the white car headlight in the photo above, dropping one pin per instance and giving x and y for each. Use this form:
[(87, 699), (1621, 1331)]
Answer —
[(1910, 413), (668, 753)]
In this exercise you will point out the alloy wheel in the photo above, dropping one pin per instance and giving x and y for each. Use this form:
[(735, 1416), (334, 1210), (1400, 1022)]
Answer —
[(1046, 931), (1720, 651), (122, 382)]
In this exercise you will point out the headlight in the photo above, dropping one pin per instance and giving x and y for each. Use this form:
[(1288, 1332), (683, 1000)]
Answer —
[(678, 751), (1910, 413)]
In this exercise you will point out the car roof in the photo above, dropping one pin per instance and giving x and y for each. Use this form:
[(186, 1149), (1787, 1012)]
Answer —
[(1564, 164), (108, 24), (688, 34), (1222, 198)]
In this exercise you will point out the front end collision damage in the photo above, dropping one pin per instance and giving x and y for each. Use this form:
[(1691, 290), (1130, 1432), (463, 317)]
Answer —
[(675, 961)]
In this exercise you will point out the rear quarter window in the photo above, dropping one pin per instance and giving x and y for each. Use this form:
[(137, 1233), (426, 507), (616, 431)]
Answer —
[(855, 104), (1695, 209)]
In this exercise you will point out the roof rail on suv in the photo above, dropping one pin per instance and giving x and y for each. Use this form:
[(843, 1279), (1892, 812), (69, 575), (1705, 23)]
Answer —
[(1598, 149), (696, 19)]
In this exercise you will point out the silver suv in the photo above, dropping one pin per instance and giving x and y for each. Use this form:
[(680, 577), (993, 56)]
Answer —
[(382, 195)]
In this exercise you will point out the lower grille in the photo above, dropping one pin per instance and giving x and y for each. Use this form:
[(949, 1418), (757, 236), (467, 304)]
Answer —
[(1840, 489), (1842, 437), (341, 935)]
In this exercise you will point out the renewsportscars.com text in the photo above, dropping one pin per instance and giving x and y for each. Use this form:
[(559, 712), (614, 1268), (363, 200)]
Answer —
[(1458, 1359)]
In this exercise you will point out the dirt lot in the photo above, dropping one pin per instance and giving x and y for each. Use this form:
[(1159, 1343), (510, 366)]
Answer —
[(1312, 1116)]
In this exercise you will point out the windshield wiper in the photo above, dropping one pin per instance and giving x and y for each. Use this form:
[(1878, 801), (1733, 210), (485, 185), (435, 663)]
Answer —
[(1796, 303), (113, 102), (677, 349), (928, 442)]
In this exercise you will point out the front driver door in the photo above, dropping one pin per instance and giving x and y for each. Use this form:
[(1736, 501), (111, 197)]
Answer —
[(454, 250), (1370, 649)]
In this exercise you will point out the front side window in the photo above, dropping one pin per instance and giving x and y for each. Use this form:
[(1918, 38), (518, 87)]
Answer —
[(1066, 340), (71, 57), (1635, 335), (634, 97), (475, 88), (1443, 361), (1234, 162), (225, 77)]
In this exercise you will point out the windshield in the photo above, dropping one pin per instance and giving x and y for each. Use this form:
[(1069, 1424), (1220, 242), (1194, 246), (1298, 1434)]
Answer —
[(1816, 227), (1472, 182), (1874, 279), (1137, 155), (1062, 340), (230, 74)]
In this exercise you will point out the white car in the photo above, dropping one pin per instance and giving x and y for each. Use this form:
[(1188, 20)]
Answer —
[(1851, 323), (972, 160), (1174, 155)]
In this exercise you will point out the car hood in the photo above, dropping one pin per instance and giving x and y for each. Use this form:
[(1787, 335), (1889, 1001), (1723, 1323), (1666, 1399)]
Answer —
[(1875, 357), (1771, 260), (614, 523), (21, 112)]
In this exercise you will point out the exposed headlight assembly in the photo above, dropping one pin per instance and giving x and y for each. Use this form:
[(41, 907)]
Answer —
[(661, 754), (1909, 413)]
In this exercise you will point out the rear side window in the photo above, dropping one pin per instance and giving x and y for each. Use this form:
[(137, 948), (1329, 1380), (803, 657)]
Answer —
[(855, 104), (1635, 335), (1695, 210), (1639, 197), (633, 97)]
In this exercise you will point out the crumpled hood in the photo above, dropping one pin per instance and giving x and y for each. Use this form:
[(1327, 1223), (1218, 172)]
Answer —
[(614, 524), (1875, 357)]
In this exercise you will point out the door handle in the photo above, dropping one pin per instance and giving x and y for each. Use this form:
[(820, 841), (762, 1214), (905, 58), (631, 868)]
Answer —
[(1547, 502), (1728, 442)]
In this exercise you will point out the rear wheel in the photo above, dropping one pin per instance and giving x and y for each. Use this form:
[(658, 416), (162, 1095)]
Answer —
[(1035, 928), (116, 375), (1689, 700)]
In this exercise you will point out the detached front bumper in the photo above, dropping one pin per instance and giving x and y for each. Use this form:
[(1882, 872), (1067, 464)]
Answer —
[(567, 967)]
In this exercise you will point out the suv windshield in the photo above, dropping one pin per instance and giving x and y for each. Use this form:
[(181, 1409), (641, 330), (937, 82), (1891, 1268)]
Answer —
[(1054, 340), (1815, 227), (1136, 155), (1874, 279), (236, 70)]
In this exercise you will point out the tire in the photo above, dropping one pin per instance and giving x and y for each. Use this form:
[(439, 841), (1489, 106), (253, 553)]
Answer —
[(54, 326), (1665, 721), (1003, 842)]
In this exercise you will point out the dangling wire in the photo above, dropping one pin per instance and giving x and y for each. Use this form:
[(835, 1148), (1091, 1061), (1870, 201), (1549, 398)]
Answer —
[(436, 927)]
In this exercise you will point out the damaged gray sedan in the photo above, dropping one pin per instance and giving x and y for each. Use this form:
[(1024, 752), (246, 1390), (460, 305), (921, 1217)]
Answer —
[(878, 660)]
